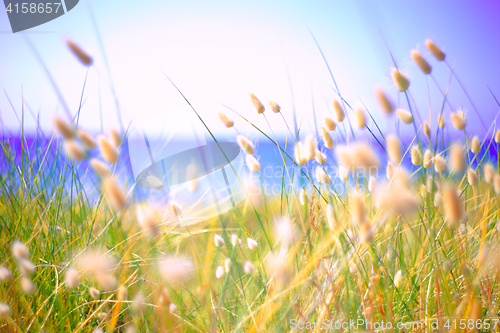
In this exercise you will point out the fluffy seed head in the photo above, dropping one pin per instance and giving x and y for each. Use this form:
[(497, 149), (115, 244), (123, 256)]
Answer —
[(475, 145), (252, 244), (172, 308), (94, 292), (330, 123), (27, 286), (219, 272), (300, 153), (458, 120), (235, 240), (218, 240), (357, 207), (115, 193), (320, 157), (472, 177), (20, 251), (225, 120), (227, 265), (416, 157), (404, 115), (245, 144), (488, 173), (5, 274), (327, 139), (396, 198), (257, 103), (322, 176), (393, 148), (138, 303), (252, 163), (372, 183), (421, 62), (398, 277), (147, 219), (389, 171), (72, 278), (330, 216), (175, 269), (427, 159), (357, 155), (249, 268), (66, 130), (100, 168), (274, 106), (438, 200), (27, 267), (74, 150), (440, 121), (115, 137), (457, 157), (446, 265), (435, 50), (384, 101), (439, 163), (302, 197), (453, 206), (108, 151), (4, 310), (309, 148), (496, 184), (427, 129), (338, 110), (360, 117), (86, 139), (83, 56), (353, 269), (343, 173), (366, 232), (497, 136), (400, 80)]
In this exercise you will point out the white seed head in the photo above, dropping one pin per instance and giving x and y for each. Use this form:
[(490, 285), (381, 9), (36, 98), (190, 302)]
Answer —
[(257, 103), (438, 199), (497, 137), (20, 251), (309, 148), (225, 120), (245, 144), (457, 157), (496, 184), (435, 50), (138, 303), (400, 80), (453, 206), (404, 115), (227, 265), (416, 157), (475, 145), (148, 219), (285, 231), (339, 112), (218, 240), (4, 310), (353, 269), (384, 101), (421, 62), (252, 163), (172, 308), (440, 121), (100, 168), (274, 106), (357, 155), (302, 197), (360, 117), (439, 163), (108, 151), (488, 173), (427, 159), (249, 268), (330, 216), (72, 278), (327, 138), (322, 176), (79, 52), (427, 130), (343, 173), (398, 277), (372, 183), (458, 120), (66, 130), (5, 274), (94, 292), (27, 286), (74, 150), (472, 177), (393, 148), (175, 269), (330, 123), (235, 240), (115, 193), (357, 208), (86, 139), (175, 208), (219, 272), (252, 244)]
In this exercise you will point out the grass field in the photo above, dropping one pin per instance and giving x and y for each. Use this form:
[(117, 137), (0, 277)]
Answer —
[(407, 244)]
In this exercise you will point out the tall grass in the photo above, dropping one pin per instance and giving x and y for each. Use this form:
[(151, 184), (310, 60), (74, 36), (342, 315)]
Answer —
[(409, 244)]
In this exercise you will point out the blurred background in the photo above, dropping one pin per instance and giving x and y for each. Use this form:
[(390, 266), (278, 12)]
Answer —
[(217, 51)]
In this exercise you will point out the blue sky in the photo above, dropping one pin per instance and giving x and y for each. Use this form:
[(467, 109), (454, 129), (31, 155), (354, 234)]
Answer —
[(217, 51)]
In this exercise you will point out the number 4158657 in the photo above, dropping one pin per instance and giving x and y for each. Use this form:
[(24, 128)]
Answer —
[(471, 324), (33, 7)]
